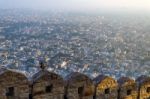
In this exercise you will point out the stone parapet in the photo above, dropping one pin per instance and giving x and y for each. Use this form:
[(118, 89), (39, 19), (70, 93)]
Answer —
[(48, 85)]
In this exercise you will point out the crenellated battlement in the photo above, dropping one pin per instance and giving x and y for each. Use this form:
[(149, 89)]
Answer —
[(48, 85)]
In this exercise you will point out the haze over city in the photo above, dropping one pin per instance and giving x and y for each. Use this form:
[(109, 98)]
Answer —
[(77, 4)]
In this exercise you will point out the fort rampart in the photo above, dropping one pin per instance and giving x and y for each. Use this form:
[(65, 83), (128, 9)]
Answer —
[(48, 85)]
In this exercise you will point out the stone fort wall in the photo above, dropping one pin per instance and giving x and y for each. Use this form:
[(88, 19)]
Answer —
[(48, 85)]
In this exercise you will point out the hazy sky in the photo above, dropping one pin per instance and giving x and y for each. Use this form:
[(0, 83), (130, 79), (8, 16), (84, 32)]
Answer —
[(76, 4)]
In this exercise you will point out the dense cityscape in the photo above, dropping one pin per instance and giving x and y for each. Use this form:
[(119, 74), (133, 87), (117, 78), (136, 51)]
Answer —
[(114, 44)]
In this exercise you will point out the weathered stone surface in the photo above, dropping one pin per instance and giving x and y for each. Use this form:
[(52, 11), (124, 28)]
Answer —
[(127, 88), (106, 87), (47, 85), (143, 87), (13, 81), (79, 86)]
